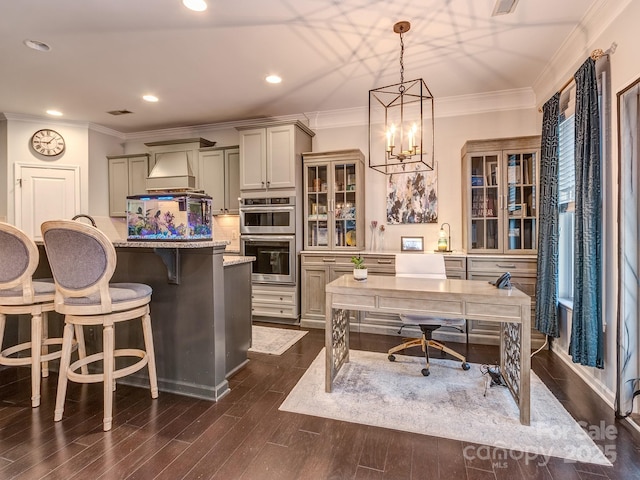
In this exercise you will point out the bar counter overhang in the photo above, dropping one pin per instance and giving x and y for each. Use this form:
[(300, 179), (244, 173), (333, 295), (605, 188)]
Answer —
[(191, 330)]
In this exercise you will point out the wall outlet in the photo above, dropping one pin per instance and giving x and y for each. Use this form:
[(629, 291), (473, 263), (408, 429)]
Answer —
[(234, 235)]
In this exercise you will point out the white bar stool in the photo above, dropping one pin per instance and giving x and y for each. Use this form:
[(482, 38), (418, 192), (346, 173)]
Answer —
[(82, 261), (21, 295)]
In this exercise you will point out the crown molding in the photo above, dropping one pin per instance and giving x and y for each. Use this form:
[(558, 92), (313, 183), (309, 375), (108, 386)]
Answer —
[(198, 129), (21, 117), (515, 99), (107, 131), (577, 47)]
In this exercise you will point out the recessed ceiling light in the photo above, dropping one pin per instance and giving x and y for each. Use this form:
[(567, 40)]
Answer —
[(195, 5), (273, 79), (150, 98), (36, 45), (55, 113)]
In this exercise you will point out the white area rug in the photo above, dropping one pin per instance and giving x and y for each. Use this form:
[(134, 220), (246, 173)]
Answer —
[(449, 403), (273, 341)]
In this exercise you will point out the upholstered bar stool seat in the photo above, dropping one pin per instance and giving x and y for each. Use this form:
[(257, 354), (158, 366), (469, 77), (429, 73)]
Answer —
[(83, 260), (21, 295)]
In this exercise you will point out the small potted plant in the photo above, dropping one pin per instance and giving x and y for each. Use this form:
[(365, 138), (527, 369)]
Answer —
[(359, 268)]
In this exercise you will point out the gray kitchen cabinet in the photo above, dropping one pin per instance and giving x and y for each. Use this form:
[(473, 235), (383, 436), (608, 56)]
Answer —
[(219, 169), (500, 195), (187, 148), (334, 192), (270, 155), (127, 176), (523, 269), (320, 268)]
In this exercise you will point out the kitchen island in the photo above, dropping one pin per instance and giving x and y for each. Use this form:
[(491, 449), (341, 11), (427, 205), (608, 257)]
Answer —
[(194, 331), (199, 339)]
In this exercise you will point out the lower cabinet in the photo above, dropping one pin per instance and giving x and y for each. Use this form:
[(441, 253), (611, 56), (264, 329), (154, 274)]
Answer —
[(275, 301), (320, 268), (523, 271)]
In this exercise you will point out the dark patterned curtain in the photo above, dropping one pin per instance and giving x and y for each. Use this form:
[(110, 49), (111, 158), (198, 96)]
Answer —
[(547, 284), (586, 345)]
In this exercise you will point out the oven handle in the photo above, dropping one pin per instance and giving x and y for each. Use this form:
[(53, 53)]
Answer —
[(277, 238), (267, 209)]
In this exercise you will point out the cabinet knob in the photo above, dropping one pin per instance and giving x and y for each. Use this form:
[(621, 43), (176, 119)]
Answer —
[(268, 183)]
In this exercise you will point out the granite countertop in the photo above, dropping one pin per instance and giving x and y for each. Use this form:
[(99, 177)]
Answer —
[(181, 244), (228, 260)]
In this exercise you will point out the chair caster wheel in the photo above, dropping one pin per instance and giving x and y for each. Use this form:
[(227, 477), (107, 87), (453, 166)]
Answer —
[(465, 366), (425, 372), (392, 358)]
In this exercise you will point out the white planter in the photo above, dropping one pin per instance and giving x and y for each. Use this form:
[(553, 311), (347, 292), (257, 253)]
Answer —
[(360, 274)]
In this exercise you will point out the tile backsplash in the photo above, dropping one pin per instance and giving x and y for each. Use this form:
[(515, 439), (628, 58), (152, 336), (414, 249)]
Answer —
[(227, 227)]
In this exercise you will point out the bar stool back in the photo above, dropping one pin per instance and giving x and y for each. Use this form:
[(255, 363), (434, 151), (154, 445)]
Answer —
[(83, 260), (21, 295)]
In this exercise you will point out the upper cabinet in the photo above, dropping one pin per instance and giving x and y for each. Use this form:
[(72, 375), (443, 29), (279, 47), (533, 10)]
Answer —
[(334, 200), (177, 149), (127, 176), (270, 155), (500, 195), (219, 169)]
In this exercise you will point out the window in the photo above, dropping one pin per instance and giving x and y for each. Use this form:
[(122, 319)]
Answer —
[(566, 204)]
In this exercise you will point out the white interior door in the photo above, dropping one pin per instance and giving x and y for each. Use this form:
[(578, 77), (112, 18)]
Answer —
[(45, 193)]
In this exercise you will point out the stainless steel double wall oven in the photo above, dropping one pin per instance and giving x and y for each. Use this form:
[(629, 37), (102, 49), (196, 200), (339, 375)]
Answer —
[(268, 232)]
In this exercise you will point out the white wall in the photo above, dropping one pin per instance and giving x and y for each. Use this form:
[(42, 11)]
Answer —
[(625, 68), (19, 132), (450, 135), (101, 144), (3, 168)]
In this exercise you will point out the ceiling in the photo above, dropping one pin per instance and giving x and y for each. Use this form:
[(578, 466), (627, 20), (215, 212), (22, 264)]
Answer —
[(210, 67)]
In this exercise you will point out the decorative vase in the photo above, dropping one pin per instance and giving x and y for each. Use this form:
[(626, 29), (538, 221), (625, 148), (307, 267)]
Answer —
[(360, 274), (380, 244), (373, 239)]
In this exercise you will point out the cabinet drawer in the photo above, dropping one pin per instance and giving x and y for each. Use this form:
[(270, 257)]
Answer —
[(455, 263), (327, 259), (273, 310), (516, 266), (270, 297), (380, 264)]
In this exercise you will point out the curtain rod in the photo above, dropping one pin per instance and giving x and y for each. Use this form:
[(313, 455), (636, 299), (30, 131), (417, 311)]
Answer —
[(595, 55)]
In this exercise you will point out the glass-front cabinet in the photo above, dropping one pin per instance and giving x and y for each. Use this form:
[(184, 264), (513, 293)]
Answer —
[(334, 200), (500, 195)]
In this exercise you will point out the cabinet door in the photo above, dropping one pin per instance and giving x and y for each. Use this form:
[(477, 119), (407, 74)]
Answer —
[(484, 206), (253, 151), (316, 205), (520, 194), (232, 180), (345, 204), (281, 167), (212, 178), (118, 186), (314, 280), (138, 175)]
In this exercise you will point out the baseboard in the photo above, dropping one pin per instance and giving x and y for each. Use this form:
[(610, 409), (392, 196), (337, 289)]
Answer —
[(598, 387)]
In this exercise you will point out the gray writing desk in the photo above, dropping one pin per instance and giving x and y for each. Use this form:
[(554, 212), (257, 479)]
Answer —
[(470, 299)]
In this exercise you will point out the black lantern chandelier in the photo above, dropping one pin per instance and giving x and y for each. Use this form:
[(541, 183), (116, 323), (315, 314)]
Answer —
[(401, 126)]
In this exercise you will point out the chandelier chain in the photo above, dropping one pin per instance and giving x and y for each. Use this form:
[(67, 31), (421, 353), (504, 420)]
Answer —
[(401, 58)]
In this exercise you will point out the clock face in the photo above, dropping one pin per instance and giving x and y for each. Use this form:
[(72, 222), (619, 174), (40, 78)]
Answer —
[(47, 142)]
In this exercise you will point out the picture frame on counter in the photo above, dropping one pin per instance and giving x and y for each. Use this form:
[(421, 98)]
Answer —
[(412, 244)]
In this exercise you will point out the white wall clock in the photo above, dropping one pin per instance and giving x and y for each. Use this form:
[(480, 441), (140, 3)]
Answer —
[(48, 142)]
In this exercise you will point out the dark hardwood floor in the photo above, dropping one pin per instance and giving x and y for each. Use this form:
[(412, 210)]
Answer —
[(245, 436)]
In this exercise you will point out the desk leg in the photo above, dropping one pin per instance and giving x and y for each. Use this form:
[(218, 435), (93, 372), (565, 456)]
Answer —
[(515, 362), (336, 342)]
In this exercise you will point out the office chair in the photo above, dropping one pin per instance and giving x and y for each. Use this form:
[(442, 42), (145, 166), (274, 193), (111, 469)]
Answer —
[(426, 266)]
